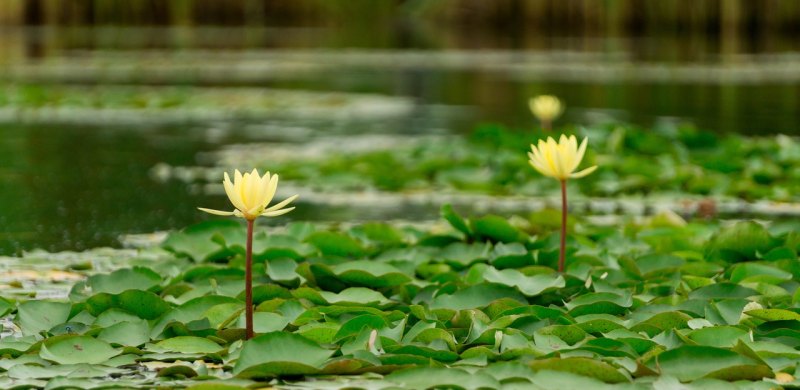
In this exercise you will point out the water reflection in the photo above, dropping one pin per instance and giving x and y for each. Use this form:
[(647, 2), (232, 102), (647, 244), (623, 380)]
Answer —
[(81, 185)]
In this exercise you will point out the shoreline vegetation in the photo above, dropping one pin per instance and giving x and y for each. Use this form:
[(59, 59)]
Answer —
[(722, 17)]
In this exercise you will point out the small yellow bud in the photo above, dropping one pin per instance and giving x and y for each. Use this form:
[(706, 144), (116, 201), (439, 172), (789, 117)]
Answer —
[(546, 108)]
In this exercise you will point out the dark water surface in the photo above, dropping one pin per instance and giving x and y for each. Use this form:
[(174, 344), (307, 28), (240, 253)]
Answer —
[(80, 185)]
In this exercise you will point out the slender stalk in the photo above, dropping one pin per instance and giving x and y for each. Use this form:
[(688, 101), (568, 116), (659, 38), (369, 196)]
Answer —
[(562, 253), (248, 281), (547, 125)]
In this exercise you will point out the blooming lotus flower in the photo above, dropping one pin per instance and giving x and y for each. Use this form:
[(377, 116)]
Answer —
[(546, 108), (559, 160), (250, 194)]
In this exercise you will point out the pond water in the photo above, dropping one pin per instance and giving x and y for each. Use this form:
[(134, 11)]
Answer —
[(88, 113)]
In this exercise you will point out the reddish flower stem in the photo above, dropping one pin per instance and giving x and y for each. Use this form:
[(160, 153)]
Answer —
[(248, 281), (562, 253)]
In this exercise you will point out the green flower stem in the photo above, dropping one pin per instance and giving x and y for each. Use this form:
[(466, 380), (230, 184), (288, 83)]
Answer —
[(562, 253), (248, 280)]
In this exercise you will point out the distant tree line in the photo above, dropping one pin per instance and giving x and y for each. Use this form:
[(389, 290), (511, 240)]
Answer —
[(555, 16)]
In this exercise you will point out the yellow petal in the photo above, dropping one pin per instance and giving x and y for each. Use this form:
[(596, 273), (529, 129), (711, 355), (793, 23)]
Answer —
[(276, 212), (578, 175), (581, 151), (215, 212), (272, 186), (233, 195), (261, 193), (282, 204)]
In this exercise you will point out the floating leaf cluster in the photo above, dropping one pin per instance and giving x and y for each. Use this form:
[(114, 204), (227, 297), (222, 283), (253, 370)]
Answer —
[(673, 160), (470, 303)]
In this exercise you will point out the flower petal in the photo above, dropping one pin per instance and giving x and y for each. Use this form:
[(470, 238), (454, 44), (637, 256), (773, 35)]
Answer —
[(233, 195), (271, 188), (283, 204), (216, 212), (581, 152), (578, 175), (276, 212)]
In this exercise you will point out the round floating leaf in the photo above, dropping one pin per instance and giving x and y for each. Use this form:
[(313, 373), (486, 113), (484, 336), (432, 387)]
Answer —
[(438, 377), (77, 349), (370, 274), (282, 270), (718, 336), (722, 291), (197, 242), (138, 278), (741, 241), (350, 296), (599, 303), (496, 229), (380, 234), (476, 296), (460, 254), (288, 354), (658, 262), (754, 272), (133, 333), (143, 304), (336, 244), (528, 285), (187, 344), (690, 362), (215, 386), (177, 371), (38, 316), (661, 322), (581, 366), (192, 310), (551, 379), (27, 371), (277, 246)]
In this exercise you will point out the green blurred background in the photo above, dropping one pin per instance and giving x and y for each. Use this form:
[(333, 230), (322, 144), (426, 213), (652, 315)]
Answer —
[(88, 103)]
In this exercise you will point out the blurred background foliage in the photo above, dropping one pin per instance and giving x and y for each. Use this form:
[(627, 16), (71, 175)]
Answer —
[(96, 93)]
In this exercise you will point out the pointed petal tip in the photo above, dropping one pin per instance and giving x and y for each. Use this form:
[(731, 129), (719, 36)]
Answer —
[(583, 173), (216, 212)]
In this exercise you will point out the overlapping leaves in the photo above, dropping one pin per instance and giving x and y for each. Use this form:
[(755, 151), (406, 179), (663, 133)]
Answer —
[(702, 304)]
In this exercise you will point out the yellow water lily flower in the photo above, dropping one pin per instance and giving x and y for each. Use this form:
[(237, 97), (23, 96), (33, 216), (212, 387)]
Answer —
[(559, 160), (250, 194), (546, 107)]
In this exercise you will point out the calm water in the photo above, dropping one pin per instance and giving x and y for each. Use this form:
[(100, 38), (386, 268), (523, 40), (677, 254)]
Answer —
[(80, 185)]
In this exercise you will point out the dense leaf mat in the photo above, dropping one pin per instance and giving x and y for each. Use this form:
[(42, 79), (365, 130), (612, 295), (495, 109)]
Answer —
[(680, 160), (463, 304)]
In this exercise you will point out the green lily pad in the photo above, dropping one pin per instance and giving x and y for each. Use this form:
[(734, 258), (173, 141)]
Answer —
[(38, 316), (186, 344), (528, 285), (124, 279), (76, 350), (691, 362), (289, 354), (581, 366), (476, 296)]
